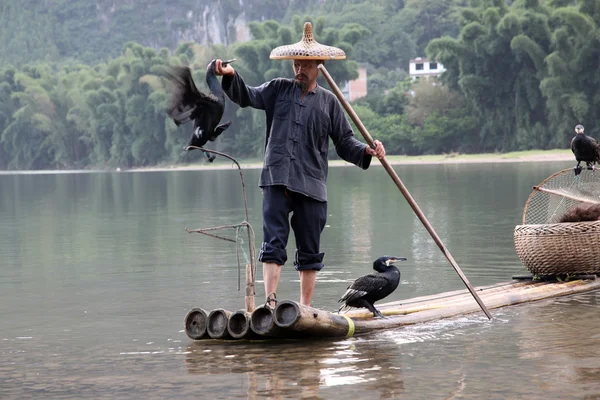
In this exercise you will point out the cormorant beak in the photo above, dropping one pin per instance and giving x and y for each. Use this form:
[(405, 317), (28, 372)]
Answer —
[(390, 261), (225, 63)]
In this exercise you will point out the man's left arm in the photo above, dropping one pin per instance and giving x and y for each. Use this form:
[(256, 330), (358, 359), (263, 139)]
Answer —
[(346, 145)]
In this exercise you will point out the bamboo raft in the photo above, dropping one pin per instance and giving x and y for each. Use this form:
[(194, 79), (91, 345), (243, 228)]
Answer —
[(289, 319)]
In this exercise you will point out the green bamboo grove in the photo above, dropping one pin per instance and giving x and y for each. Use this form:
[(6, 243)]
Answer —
[(520, 75)]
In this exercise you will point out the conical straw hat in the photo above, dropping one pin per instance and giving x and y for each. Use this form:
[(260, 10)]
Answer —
[(307, 49)]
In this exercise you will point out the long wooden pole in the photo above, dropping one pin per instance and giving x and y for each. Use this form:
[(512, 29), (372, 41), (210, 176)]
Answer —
[(402, 188), (565, 195)]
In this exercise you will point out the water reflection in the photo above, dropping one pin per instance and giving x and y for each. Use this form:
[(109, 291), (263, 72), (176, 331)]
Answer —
[(290, 369)]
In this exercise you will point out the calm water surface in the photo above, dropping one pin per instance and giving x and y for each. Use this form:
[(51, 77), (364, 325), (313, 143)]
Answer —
[(97, 273)]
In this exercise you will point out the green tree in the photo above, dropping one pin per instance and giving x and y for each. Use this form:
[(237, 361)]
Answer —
[(494, 63)]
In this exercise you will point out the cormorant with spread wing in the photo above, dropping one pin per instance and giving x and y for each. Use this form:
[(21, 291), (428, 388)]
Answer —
[(585, 148), (190, 104), (370, 288)]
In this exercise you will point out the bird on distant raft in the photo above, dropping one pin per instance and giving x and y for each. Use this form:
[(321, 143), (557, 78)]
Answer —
[(368, 289), (187, 103), (586, 149)]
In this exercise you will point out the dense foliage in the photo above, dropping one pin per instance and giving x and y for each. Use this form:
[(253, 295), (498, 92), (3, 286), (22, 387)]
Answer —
[(81, 82)]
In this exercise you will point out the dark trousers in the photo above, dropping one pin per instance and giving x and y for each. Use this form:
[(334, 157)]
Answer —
[(308, 220)]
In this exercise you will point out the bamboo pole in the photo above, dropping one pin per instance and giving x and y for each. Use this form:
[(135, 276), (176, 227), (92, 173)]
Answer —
[(462, 293), (262, 323), (217, 324), (521, 295), (249, 298), (402, 188), (433, 302), (238, 326), (565, 195), (311, 322), (195, 324)]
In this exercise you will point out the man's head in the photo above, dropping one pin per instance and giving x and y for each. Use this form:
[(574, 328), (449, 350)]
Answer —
[(306, 73), (579, 128)]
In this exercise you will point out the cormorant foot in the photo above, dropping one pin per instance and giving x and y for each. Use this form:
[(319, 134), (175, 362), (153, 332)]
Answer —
[(210, 157), (577, 170)]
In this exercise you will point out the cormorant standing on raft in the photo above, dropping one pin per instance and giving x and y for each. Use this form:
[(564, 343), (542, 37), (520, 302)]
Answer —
[(586, 149), (190, 104), (370, 288)]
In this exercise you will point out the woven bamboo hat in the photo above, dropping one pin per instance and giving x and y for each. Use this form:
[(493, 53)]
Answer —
[(307, 49)]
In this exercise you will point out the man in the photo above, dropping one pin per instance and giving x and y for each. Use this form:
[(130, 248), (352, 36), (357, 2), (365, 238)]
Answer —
[(301, 117)]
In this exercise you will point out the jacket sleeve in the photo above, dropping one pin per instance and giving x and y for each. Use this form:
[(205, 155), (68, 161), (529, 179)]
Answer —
[(346, 145), (261, 97)]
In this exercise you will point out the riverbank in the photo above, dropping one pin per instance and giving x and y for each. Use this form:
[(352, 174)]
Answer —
[(222, 163), (518, 156)]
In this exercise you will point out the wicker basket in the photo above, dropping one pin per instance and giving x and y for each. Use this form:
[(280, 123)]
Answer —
[(561, 248)]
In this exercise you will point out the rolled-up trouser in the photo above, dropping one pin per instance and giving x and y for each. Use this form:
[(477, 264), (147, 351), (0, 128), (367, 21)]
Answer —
[(308, 220)]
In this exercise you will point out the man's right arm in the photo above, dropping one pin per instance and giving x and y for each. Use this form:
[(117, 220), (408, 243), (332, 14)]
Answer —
[(260, 97)]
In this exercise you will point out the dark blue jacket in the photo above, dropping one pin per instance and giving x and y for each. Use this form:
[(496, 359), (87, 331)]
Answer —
[(298, 132)]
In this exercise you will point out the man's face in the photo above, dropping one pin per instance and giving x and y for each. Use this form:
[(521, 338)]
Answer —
[(305, 72)]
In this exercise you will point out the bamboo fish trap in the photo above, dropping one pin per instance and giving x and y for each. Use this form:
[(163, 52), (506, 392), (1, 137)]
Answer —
[(547, 246)]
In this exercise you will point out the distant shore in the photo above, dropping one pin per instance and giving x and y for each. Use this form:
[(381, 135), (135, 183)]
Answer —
[(222, 163), (519, 156)]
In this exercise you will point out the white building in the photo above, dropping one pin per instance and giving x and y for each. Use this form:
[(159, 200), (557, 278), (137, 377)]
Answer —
[(423, 68)]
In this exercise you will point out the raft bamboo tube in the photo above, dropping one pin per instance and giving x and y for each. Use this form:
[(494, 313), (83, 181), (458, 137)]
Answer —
[(413, 204), (195, 324), (238, 326), (217, 324), (313, 322), (262, 323)]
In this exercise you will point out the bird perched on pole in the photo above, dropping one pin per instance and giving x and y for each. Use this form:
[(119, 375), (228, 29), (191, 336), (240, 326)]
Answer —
[(368, 289), (187, 103), (586, 149)]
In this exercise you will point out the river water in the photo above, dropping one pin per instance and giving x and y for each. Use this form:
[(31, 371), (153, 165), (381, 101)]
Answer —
[(97, 273)]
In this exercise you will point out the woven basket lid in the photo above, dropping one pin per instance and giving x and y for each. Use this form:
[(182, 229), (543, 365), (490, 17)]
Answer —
[(307, 49)]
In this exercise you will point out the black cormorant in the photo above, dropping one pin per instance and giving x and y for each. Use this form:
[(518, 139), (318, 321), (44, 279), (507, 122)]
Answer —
[(585, 148), (190, 104), (370, 288)]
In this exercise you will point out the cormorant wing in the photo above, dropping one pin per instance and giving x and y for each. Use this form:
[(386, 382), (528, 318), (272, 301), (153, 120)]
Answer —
[(364, 285), (596, 146), (187, 102), (587, 149)]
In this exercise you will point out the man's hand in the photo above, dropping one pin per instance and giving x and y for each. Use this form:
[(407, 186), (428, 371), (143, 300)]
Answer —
[(223, 70), (378, 151)]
